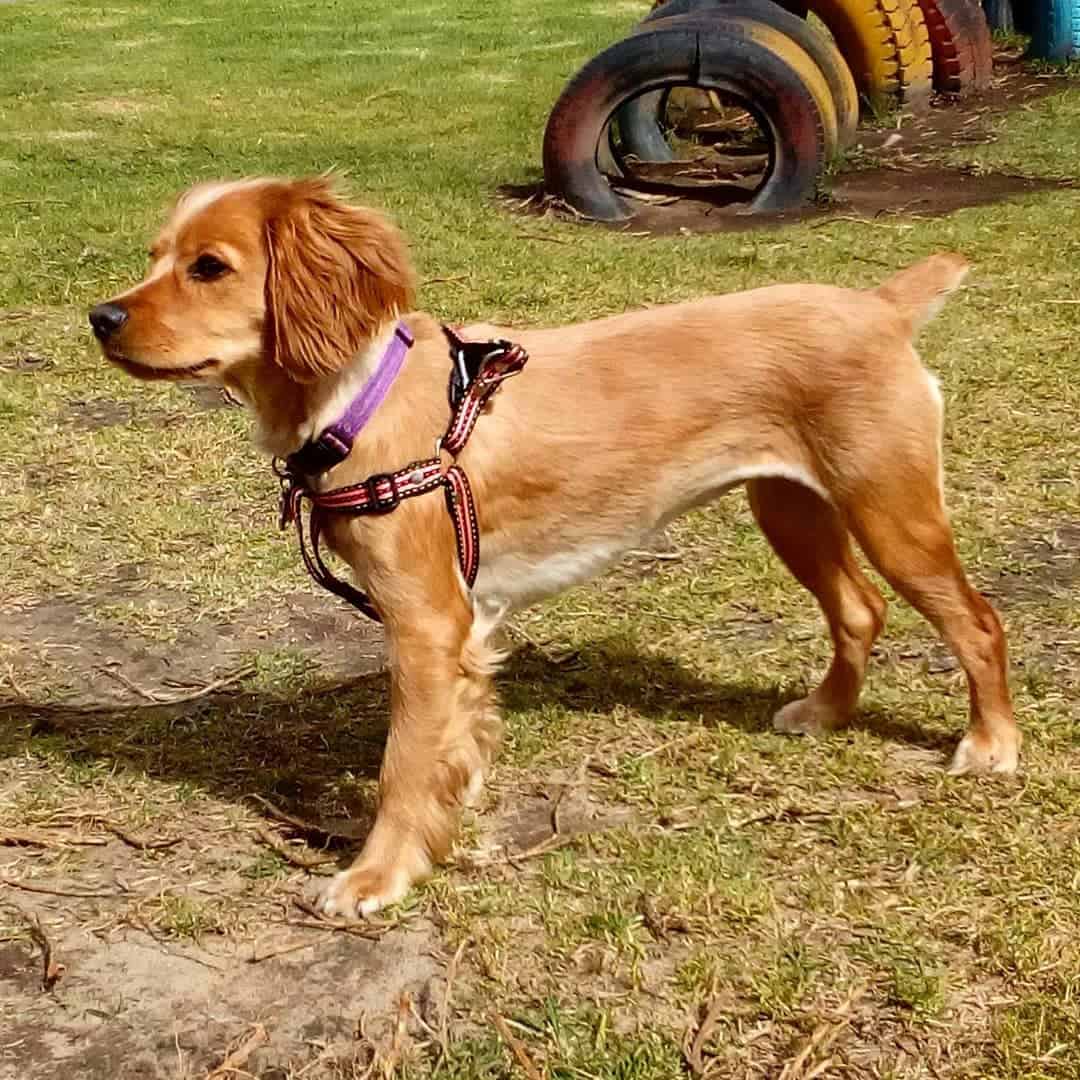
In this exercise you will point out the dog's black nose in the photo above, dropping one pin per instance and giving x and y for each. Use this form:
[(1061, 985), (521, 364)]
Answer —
[(106, 319)]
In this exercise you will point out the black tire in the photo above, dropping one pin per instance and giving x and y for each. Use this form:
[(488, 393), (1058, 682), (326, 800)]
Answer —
[(638, 120), (999, 14), (683, 55), (778, 43)]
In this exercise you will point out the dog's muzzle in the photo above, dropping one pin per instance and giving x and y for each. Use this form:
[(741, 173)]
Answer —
[(106, 319)]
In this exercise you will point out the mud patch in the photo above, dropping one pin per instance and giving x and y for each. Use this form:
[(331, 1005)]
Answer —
[(96, 414), (562, 808), (1041, 566), (89, 662), (129, 1008)]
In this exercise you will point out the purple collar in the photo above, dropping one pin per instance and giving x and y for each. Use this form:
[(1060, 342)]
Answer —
[(333, 445)]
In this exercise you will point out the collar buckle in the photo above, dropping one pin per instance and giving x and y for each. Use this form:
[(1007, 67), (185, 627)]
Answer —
[(378, 501)]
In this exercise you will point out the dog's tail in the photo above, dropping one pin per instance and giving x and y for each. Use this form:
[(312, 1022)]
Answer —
[(920, 291)]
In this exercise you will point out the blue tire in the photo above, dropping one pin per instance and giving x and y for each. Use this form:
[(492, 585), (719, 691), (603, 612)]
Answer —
[(1055, 33)]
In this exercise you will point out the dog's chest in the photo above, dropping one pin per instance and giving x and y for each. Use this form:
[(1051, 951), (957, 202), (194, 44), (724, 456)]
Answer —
[(513, 579)]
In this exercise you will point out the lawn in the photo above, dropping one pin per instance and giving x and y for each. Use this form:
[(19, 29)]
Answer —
[(655, 884)]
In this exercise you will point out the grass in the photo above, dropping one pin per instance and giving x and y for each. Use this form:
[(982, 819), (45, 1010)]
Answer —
[(788, 881)]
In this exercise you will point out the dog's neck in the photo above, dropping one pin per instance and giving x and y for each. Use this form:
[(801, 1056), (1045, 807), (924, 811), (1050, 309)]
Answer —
[(289, 414)]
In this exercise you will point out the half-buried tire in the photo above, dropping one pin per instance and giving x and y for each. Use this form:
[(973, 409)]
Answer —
[(961, 45), (684, 55), (639, 120)]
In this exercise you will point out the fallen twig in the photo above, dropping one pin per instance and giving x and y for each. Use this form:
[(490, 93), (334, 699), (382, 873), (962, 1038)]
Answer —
[(319, 921), (21, 838), (134, 687), (546, 239), (258, 958), (239, 1055), (784, 813), (444, 1019), (139, 844), (857, 221), (209, 688), (51, 971), (516, 1047), (26, 887), (390, 1062), (694, 1048), (155, 698), (290, 855), (456, 279), (310, 827), (33, 202), (821, 1039), (658, 556), (691, 737)]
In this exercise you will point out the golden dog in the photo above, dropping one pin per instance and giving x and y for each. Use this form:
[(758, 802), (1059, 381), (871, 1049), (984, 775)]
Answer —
[(812, 396)]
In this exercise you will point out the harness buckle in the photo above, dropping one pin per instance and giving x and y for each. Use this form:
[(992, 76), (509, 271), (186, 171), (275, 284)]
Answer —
[(379, 503)]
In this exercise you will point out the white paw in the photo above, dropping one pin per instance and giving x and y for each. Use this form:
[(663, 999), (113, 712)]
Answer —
[(359, 892), (982, 755), (806, 717)]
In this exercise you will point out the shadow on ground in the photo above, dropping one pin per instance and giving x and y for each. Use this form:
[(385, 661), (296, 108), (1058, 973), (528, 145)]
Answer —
[(294, 749)]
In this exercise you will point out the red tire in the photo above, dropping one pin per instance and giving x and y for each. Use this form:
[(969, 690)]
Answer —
[(960, 44)]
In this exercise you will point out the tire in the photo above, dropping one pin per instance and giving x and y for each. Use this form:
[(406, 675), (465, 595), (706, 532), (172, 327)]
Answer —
[(960, 45), (999, 14), (680, 55), (641, 116), (1055, 32), (821, 49), (886, 45)]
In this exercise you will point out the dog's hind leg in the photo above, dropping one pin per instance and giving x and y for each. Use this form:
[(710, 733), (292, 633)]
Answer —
[(901, 525), (813, 542)]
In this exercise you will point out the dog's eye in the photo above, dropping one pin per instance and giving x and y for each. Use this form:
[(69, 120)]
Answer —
[(207, 268)]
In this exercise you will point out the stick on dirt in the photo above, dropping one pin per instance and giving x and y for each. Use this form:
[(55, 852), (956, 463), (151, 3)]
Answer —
[(26, 887), (51, 971), (237, 1057), (291, 855), (298, 823), (694, 1049), (138, 843), (517, 1048)]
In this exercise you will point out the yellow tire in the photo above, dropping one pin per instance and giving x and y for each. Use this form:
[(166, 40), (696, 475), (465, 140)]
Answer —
[(799, 60), (743, 27), (886, 45)]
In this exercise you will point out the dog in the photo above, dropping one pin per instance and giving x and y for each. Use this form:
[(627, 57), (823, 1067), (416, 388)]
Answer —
[(811, 396)]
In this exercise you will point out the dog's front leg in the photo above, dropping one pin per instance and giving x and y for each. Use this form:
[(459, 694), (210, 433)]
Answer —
[(443, 729)]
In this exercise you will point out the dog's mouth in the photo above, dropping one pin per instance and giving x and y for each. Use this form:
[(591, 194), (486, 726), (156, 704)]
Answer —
[(148, 372)]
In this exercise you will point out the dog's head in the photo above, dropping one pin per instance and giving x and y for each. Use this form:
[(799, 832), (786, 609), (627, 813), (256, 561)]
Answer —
[(255, 272)]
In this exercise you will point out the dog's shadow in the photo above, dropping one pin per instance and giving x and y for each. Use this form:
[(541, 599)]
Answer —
[(297, 750)]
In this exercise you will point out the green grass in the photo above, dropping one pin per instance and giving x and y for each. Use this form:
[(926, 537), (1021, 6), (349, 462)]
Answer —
[(782, 877)]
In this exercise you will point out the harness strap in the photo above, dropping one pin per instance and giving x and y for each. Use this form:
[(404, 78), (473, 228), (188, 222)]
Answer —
[(477, 371)]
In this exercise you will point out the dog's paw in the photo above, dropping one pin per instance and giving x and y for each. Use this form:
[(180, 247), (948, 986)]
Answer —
[(807, 717), (371, 884), (982, 754)]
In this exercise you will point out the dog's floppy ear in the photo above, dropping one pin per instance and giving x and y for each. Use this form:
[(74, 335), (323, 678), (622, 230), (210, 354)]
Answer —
[(336, 274)]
